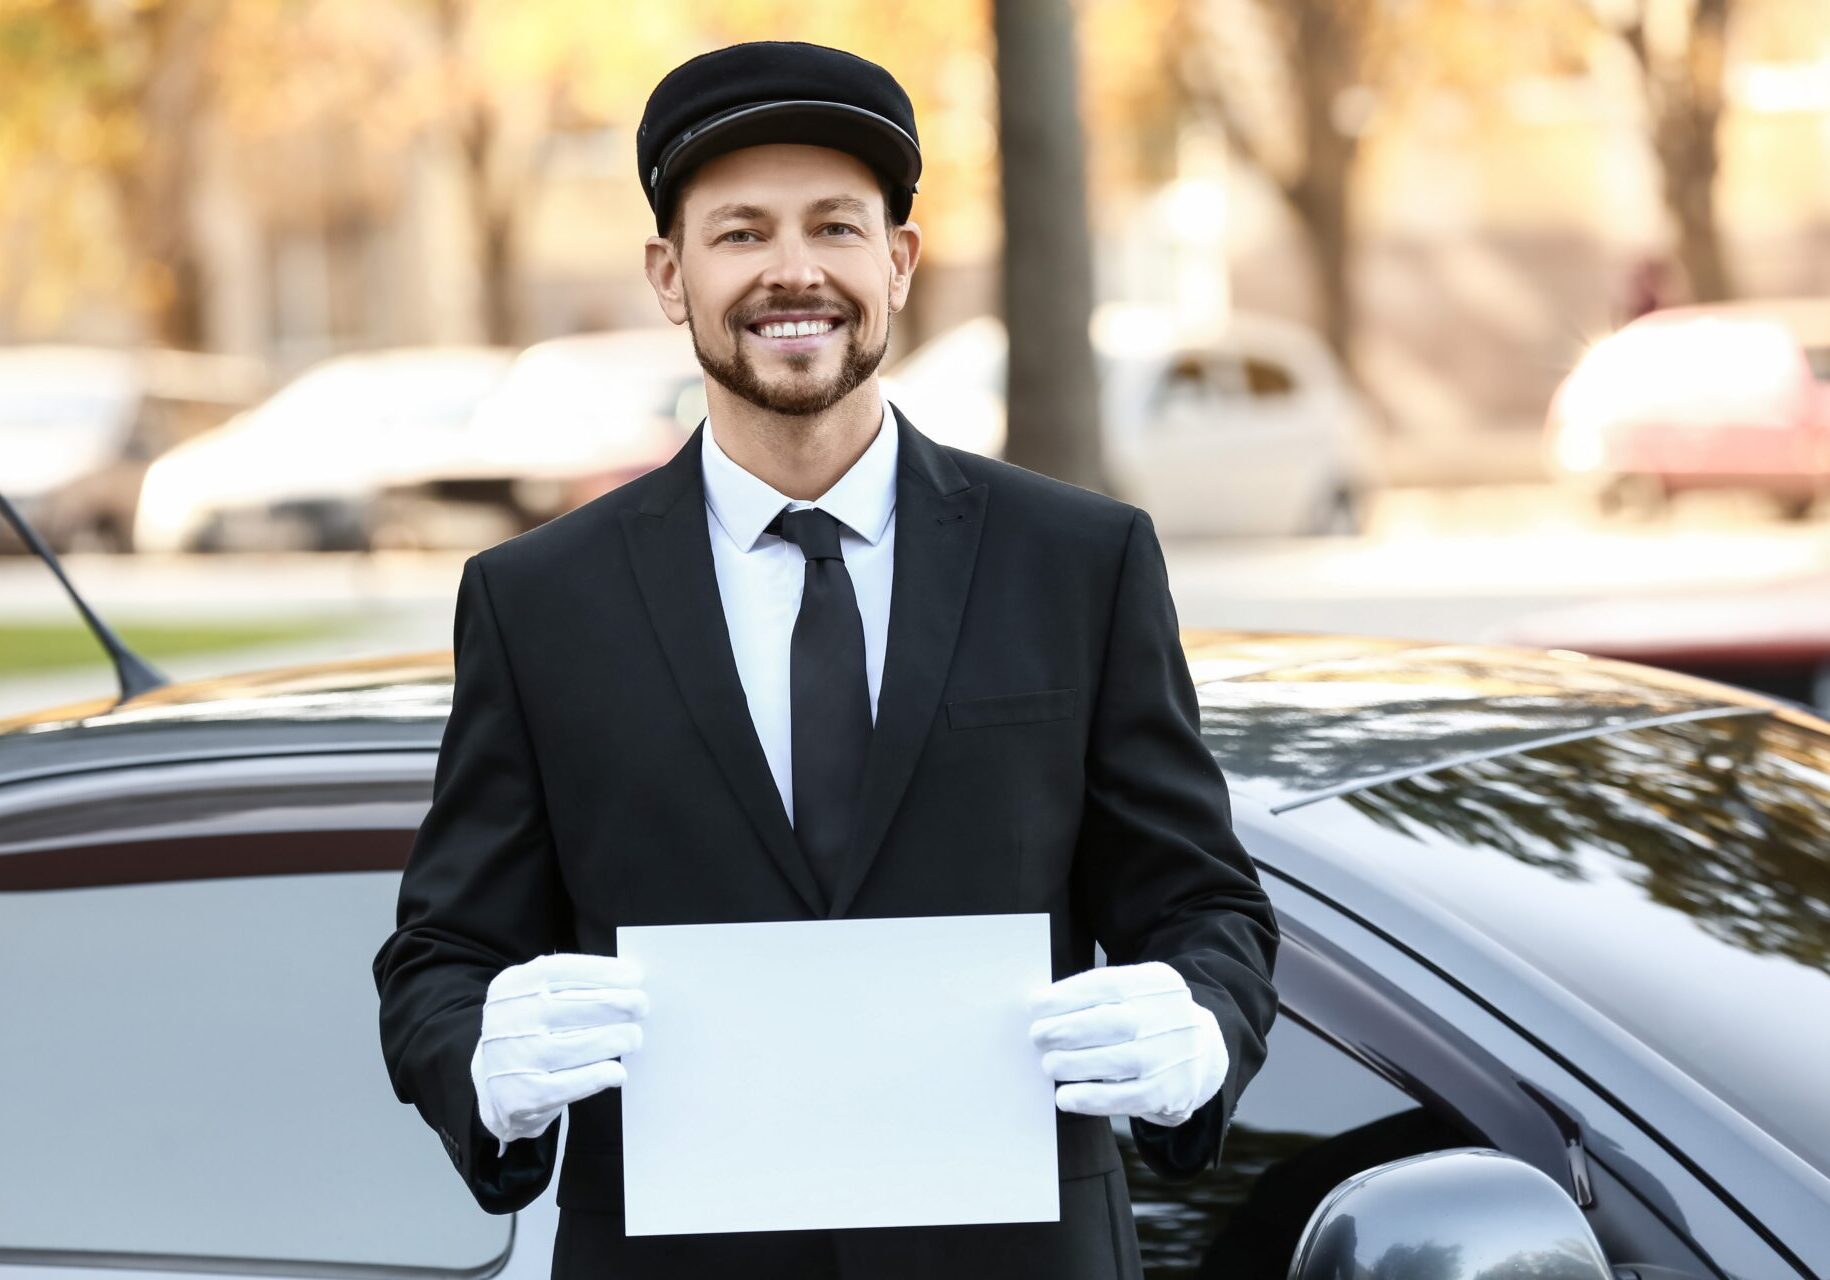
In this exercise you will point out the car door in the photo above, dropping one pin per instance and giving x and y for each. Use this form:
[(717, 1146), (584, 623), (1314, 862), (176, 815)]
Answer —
[(193, 1076), (1372, 1058)]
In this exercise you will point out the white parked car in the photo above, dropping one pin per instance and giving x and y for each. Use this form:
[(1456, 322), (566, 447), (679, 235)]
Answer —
[(575, 417), (303, 468), (1249, 428), (79, 424)]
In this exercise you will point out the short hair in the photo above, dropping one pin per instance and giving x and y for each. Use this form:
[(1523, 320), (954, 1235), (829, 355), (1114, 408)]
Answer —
[(676, 230)]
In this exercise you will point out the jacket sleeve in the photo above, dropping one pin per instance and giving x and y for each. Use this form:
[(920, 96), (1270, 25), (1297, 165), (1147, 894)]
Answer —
[(1157, 868), (481, 891)]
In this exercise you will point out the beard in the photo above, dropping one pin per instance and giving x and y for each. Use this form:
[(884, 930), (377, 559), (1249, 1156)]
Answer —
[(802, 396)]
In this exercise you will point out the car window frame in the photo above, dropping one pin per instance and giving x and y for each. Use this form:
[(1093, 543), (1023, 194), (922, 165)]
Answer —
[(327, 781)]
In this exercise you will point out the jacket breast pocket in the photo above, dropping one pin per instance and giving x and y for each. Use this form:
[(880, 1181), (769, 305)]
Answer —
[(1011, 708)]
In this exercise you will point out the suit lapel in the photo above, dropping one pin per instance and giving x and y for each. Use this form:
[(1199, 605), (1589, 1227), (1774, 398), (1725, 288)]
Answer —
[(938, 518), (670, 547)]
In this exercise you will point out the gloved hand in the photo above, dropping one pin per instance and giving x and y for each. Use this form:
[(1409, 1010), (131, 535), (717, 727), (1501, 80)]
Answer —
[(552, 1031), (1132, 1042)]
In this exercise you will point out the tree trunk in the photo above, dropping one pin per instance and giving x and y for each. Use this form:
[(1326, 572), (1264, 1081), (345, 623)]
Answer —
[(1684, 98), (489, 197), (1324, 64), (1689, 115), (1052, 388), (493, 222), (152, 183)]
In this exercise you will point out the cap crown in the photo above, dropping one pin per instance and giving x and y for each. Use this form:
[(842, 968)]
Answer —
[(698, 92)]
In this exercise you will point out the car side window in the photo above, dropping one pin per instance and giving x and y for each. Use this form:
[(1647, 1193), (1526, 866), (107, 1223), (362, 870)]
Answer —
[(1310, 1117), (1267, 379), (193, 1067)]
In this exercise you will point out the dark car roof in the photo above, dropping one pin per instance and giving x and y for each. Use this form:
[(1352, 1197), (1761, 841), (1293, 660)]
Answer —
[(1292, 716)]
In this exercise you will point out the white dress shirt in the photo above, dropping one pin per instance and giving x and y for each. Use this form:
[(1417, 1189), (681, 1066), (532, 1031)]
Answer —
[(760, 577)]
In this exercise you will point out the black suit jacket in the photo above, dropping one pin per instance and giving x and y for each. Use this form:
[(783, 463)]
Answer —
[(1036, 748)]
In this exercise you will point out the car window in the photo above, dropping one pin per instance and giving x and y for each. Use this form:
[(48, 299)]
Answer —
[(1674, 877), (1196, 387), (1267, 379), (1310, 1117), (194, 1070)]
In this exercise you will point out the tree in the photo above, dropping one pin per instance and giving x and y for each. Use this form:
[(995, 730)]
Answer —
[(118, 92), (1296, 117), (1680, 51), (1051, 394)]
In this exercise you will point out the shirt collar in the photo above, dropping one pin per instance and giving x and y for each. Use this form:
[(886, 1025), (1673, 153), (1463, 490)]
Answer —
[(862, 499)]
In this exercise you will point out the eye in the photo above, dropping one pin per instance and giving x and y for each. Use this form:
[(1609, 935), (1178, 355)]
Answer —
[(842, 226), (727, 235)]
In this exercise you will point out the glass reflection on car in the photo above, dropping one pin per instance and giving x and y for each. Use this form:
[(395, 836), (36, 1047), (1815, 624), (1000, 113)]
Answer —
[(1288, 732), (1674, 877)]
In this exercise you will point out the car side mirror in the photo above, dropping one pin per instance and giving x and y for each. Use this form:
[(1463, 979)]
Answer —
[(1449, 1215)]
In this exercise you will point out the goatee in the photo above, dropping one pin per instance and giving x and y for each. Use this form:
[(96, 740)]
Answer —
[(802, 397)]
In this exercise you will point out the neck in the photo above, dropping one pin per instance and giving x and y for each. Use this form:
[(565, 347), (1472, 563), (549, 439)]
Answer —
[(801, 456)]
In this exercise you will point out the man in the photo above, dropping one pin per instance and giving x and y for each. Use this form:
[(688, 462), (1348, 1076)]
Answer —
[(817, 666)]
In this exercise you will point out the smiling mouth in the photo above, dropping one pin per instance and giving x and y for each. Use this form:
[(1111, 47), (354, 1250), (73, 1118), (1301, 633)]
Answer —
[(790, 329)]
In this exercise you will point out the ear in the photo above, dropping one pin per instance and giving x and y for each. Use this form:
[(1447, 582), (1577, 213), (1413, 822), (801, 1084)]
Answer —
[(662, 266), (905, 251)]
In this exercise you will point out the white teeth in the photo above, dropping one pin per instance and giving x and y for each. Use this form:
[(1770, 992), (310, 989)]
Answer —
[(795, 328)]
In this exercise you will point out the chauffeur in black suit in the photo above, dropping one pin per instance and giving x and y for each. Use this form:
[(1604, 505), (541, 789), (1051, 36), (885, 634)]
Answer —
[(817, 666)]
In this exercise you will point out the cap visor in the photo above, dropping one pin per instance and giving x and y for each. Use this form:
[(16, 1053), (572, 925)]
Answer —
[(864, 134)]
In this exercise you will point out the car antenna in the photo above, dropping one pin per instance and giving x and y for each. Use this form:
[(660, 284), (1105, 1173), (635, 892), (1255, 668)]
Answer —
[(136, 676)]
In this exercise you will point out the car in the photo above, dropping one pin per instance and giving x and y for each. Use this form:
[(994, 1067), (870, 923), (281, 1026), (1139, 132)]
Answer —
[(1772, 637), (574, 418), (1566, 911), (302, 469), (1247, 428), (1723, 396), (79, 426)]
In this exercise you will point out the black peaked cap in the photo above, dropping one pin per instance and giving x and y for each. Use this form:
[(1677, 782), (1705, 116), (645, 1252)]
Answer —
[(764, 91)]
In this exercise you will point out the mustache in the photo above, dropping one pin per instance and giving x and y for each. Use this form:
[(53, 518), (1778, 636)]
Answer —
[(820, 306)]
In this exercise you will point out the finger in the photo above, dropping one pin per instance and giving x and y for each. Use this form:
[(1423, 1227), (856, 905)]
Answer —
[(568, 970), (527, 1094), (579, 1083), (537, 1012), (1125, 1061), (1086, 1028), (596, 1008), (1105, 985), (1131, 1097), (559, 1051), (577, 968)]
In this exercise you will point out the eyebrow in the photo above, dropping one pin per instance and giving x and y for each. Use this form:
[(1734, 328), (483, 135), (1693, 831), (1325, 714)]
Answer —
[(842, 204), (756, 213), (735, 213)]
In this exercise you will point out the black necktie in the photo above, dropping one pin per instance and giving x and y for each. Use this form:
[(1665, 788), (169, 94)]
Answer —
[(829, 696)]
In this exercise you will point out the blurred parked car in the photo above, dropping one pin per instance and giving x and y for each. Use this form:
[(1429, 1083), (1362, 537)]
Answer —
[(574, 418), (1774, 638), (303, 469), (1569, 910), (79, 426), (1734, 395), (1248, 429)]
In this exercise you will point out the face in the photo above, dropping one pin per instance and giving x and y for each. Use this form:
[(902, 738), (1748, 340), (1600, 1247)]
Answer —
[(786, 274)]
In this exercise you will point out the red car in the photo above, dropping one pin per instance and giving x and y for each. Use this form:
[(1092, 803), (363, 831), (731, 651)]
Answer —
[(1727, 396), (1773, 638)]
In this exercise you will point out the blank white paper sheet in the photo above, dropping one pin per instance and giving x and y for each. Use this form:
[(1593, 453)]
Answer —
[(838, 1073)]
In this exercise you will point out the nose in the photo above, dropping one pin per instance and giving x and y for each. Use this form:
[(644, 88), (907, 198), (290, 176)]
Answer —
[(792, 267)]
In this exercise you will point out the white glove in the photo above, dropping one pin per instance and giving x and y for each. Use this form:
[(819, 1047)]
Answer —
[(1132, 1039), (552, 1031)]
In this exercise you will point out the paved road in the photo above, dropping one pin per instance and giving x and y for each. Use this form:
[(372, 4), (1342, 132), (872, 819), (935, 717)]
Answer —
[(1448, 567)]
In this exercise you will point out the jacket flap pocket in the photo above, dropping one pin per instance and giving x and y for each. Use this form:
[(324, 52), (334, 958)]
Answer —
[(1011, 708)]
